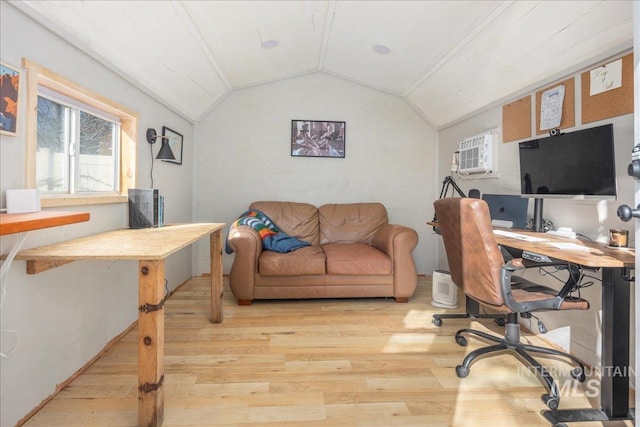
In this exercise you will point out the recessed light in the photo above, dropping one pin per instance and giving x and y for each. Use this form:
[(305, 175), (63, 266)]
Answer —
[(381, 49), (269, 44)]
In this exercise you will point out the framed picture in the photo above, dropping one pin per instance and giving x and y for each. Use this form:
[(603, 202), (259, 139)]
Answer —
[(175, 143), (310, 138), (9, 91)]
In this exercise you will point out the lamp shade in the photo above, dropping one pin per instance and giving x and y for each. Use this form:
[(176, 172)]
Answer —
[(165, 152)]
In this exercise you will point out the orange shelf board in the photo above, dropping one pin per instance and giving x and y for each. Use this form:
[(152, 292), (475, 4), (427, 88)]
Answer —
[(18, 223)]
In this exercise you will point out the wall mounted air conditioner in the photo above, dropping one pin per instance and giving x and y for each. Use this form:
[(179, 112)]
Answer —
[(475, 154), (445, 292)]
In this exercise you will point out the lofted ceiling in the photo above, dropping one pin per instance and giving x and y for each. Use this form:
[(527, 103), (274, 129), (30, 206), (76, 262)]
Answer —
[(446, 58)]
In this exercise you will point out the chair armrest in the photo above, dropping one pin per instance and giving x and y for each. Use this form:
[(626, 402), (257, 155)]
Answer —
[(392, 237), (244, 239), (247, 245), (398, 242), (551, 303)]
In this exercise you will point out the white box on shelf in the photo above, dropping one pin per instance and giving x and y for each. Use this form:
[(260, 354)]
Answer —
[(23, 201)]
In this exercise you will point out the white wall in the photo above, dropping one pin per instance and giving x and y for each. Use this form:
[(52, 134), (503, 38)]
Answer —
[(64, 317), (590, 218), (243, 154)]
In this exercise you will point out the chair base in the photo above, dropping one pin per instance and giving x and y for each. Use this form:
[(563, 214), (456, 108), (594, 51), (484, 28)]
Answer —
[(511, 343), (473, 312)]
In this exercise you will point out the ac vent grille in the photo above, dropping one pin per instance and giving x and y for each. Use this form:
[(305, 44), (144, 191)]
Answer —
[(475, 154)]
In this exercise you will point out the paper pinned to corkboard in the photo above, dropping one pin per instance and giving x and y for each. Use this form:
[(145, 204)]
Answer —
[(611, 103)]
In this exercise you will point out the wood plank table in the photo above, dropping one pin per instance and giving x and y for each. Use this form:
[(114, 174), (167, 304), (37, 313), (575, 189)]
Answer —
[(150, 247)]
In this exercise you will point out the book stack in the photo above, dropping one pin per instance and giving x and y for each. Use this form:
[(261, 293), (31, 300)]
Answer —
[(146, 208)]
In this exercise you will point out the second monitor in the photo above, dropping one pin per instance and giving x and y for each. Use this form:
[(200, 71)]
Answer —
[(508, 207)]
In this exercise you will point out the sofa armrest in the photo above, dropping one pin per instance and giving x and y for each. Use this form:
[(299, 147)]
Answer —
[(247, 245), (399, 241)]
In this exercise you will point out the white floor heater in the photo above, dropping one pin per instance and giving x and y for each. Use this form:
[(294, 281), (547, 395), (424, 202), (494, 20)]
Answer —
[(445, 292)]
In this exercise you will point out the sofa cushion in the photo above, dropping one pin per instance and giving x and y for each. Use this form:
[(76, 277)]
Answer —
[(303, 261), (350, 222), (295, 219), (355, 259)]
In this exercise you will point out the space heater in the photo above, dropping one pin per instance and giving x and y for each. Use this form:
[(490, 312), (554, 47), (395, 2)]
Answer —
[(445, 292)]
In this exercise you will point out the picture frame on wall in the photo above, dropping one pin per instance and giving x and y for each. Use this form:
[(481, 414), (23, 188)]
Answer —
[(316, 138), (9, 97), (175, 141)]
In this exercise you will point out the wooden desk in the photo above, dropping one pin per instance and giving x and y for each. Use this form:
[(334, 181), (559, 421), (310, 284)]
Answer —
[(150, 247), (615, 264)]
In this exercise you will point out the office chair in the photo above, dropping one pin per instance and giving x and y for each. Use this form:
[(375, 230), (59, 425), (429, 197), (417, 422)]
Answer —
[(478, 266), (472, 307)]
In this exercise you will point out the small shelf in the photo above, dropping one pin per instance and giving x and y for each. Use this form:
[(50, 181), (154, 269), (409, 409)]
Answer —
[(19, 223)]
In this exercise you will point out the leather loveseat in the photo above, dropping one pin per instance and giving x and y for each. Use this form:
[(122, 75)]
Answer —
[(353, 252)]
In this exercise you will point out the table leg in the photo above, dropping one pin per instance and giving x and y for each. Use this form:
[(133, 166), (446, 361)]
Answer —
[(615, 371), (215, 252), (150, 343), (615, 346)]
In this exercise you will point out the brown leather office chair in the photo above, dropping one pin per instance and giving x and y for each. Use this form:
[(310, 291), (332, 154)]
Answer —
[(477, 265)]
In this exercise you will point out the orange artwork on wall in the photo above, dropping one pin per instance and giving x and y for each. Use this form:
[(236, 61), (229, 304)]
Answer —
[(9, 90)]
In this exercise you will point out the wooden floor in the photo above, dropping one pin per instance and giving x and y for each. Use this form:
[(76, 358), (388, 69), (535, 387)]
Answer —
[(350, 362)]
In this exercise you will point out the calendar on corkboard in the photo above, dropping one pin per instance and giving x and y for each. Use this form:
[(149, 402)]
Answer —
[(568, 118)]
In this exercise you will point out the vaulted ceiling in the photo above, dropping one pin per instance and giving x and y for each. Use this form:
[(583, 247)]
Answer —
[(446, 58)]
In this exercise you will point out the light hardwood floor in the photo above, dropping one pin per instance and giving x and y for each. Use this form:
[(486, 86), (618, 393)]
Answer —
[(349, 362)]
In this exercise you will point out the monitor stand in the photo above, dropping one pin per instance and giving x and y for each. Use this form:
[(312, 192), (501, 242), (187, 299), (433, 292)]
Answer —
[(538, 225)]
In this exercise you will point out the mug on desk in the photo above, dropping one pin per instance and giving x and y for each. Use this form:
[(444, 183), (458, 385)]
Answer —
[(618, 238)]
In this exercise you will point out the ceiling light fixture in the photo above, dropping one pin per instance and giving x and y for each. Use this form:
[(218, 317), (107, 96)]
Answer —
[(381, 49), (269, 44)]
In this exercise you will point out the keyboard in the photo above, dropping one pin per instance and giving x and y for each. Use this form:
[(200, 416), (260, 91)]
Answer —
[(518, 236)]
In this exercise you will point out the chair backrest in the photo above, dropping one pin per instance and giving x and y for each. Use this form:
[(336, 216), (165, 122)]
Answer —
[(474, 257)]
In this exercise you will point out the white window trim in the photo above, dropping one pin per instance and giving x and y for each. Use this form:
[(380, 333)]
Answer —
[(38, 76)]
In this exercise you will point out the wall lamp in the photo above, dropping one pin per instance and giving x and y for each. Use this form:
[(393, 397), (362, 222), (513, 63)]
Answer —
[(165, 152)]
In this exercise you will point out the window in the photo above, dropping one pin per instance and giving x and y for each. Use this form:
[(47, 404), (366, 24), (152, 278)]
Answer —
[(81, 147), (77, 151)]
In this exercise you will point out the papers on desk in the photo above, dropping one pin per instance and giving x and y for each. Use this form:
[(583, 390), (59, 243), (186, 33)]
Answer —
[(524, 237), (571, 246)]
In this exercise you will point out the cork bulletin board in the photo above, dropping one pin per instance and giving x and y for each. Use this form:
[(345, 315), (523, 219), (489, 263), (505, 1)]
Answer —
[(568, 105), (516, 120), (612, 103)]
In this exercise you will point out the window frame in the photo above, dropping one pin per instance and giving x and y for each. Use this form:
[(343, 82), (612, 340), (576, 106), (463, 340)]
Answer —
[(38, 75)]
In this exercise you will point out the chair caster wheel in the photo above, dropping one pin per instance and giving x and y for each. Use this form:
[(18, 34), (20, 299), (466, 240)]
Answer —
[(578, 374), (500, 321), (461, 371), (551, 402), (461, 340), (437, 322)]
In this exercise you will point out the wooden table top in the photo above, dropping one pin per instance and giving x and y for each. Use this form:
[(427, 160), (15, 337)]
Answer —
[(588, 253), (133, 244), (19, 223)]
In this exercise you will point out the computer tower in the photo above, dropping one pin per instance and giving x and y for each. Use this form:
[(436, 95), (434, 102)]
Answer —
[(145, 208)]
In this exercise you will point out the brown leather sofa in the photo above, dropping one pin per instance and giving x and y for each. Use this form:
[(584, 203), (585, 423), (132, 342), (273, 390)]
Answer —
[(354, 252)]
